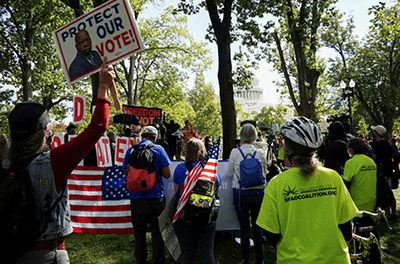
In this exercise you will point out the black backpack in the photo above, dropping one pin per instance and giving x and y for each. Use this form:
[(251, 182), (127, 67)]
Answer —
[(384, 194), (21, 223), (203, 204)]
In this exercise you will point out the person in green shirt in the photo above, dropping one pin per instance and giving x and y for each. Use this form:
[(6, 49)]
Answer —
[(360, 176), (306, 210)]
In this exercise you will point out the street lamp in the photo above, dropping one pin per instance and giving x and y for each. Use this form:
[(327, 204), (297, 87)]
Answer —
[(349, 92)]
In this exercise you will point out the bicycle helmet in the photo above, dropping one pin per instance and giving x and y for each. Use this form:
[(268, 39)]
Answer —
[(302, 134)]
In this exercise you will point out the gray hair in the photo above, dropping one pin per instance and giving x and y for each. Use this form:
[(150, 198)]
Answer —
[(248, 133)]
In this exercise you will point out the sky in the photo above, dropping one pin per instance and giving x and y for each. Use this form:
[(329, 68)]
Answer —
[(198, 23)]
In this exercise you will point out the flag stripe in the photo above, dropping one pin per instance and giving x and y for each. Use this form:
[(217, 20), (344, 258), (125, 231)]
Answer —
[(101, 220), (92, 230), (85, 182), (85, 197), (102, 214), (100, 203), (85, 188), (104, 225), (91, 193)]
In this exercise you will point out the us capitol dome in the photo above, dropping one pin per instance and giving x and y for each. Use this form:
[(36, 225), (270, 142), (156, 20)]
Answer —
[(251, 100)]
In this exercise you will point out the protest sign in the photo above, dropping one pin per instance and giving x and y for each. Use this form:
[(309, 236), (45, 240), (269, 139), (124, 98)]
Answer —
[(144, 115), (79, 102), (103, 152), (167, 228), (58, 140), (109, 30)]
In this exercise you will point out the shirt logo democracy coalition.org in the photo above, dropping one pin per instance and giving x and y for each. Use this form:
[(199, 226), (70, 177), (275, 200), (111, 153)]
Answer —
[(291, 194)]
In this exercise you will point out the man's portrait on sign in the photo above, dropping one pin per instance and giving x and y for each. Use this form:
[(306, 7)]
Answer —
[(109, 30)]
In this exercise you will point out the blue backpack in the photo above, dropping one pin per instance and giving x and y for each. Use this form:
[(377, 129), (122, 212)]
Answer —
[(251, 172)]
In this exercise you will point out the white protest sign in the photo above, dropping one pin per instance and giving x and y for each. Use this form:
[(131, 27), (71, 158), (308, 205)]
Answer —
[(58, 140), (79, 102), (121, 146), (103, 152), (109, 30)]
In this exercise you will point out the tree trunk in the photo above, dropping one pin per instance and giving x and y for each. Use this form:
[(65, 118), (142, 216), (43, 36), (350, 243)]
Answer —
[(307, 104), (222, 33), (95, 77), (26, 65), (26, 79), (226, 98), (132, 84)]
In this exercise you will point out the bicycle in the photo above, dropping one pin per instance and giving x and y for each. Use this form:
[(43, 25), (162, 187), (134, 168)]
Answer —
[(365, 246)]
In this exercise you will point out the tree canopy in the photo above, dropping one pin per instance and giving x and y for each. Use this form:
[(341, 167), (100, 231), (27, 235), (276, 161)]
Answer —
[(373, 64)]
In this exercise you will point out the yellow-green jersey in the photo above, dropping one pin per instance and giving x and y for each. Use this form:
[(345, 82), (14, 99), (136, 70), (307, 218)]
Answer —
[(360, 170), (306, 211)]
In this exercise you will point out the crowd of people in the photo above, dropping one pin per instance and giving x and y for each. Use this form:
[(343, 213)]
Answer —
[(305, 211), (171, 136)]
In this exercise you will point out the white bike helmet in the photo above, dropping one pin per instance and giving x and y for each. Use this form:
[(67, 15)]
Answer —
[(302, 134)]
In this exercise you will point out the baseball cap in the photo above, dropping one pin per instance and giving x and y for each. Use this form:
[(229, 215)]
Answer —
[(149, 130), (70, 126), (381, 130), (28, 117)]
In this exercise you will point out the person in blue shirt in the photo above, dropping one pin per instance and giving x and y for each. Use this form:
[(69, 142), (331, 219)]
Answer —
[(146, 206), (194, 237), (86, 59)]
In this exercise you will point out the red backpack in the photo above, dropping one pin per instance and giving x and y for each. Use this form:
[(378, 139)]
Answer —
[(141, 171)]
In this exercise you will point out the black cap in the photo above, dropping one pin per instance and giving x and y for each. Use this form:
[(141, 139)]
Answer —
[(70, 126), (28, 117)]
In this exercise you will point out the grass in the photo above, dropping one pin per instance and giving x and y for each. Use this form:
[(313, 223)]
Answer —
[(119, 249)]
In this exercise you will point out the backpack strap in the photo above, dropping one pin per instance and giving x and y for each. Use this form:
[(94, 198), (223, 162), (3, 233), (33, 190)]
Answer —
[(150, 145), (245, 157), (241, 152)]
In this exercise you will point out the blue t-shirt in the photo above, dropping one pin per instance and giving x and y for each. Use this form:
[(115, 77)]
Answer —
[(181, 173), (161, 160)]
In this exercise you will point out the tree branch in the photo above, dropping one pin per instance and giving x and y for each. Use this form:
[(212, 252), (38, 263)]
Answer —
[(285, 71)]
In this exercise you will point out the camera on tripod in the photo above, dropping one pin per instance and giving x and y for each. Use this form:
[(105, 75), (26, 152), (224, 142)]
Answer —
[(269, 133)]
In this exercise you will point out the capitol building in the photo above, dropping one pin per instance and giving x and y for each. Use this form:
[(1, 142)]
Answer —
[(251, 100)]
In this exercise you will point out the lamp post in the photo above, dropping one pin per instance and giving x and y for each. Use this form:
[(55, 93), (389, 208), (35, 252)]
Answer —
[(349, 92)]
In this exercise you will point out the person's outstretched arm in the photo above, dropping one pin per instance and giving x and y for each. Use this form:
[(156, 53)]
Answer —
[(66, 157)]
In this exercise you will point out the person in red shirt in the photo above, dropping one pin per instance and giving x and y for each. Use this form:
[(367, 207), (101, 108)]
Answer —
[(50, 168)]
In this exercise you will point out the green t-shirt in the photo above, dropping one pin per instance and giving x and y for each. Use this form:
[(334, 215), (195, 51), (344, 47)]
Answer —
[(306, 211), (360, 170)]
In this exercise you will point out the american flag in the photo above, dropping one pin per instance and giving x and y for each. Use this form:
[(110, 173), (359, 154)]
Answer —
[(98, 201), (205, 169)]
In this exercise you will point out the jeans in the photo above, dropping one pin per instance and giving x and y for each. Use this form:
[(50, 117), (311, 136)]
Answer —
[(145, 212), (193, 239), (43, 257), (250, 205)]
